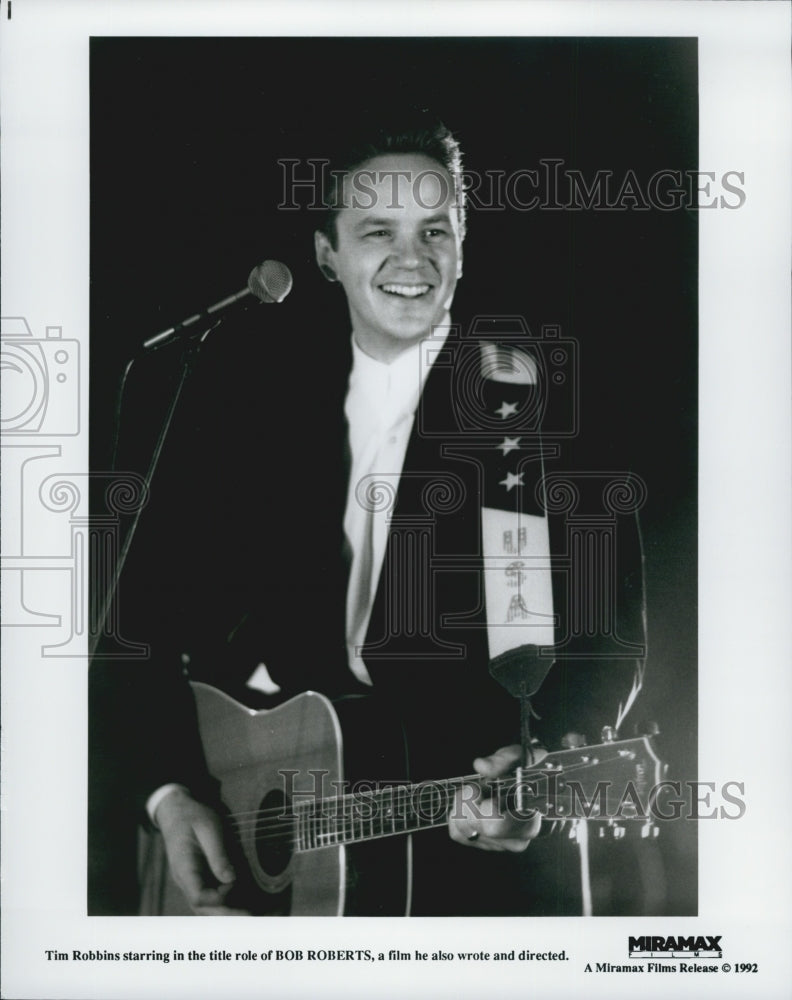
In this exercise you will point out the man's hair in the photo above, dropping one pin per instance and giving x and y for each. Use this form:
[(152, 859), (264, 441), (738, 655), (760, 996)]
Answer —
[(432, 140)]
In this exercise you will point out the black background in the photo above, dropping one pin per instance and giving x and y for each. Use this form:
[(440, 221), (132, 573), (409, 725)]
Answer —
[(185, 184)]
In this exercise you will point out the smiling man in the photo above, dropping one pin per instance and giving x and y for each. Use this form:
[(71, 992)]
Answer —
[(395, 244), (365, 578), (392, 239)]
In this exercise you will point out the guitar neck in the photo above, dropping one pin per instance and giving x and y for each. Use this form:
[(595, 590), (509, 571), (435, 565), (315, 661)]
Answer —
[(373, 814), (612, 782)]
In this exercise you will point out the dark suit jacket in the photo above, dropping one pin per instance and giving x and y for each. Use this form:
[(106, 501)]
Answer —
[(239, 560)]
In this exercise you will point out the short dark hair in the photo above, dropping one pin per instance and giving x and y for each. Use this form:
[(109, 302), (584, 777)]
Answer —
[(429, 138)]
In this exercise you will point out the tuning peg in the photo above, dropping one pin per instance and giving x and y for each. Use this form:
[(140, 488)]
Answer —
[(645, 727), (571, 741), (608, 734), (650, 829)]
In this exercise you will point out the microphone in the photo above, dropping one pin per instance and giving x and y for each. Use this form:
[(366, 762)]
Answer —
[(270, 281)]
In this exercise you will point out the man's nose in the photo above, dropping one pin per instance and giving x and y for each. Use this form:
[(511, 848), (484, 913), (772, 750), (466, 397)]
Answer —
[(408, 251)]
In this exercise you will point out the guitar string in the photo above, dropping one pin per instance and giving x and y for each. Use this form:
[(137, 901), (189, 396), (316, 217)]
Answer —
[(350, 828), (351, 825), (354, 833), (353, 829), (428, 785), (254, 815), (374, 797), (344, 826)]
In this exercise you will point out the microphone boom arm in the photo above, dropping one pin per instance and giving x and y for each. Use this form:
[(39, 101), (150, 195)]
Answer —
[(270, 281), (158, 338)]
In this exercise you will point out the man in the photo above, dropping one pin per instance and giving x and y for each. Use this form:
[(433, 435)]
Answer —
[(392, 239)]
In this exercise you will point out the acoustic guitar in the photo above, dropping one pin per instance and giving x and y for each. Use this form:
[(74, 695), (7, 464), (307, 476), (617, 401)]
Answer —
[(304, 835)]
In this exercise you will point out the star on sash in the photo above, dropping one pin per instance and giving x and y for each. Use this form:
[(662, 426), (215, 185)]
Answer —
[(507, 410), (512, 479)]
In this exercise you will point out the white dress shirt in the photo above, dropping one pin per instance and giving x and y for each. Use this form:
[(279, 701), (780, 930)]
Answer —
[(380, 409)]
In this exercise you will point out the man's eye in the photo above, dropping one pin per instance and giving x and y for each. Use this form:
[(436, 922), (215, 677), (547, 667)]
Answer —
[(378, 232), (434, 234)]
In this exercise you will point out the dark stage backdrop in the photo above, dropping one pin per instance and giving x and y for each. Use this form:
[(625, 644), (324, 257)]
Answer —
[(186, 135)]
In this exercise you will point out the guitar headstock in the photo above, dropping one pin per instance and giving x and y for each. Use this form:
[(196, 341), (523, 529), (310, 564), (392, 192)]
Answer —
[(612, 782)]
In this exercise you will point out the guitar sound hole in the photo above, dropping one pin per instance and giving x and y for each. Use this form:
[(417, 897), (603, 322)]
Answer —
[(274, 833)]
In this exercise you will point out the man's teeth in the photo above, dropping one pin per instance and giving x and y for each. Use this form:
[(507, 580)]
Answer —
[(410, 291)]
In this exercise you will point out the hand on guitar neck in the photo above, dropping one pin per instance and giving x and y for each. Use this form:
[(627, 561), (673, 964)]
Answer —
[(483, 822)]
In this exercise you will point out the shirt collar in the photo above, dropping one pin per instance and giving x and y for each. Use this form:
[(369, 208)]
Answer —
[(389, 392)]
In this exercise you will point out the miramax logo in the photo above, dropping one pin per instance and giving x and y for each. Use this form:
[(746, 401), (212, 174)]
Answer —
[(699, 946)]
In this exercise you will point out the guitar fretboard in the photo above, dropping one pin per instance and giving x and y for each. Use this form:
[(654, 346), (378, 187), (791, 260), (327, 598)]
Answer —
[(372, 814)]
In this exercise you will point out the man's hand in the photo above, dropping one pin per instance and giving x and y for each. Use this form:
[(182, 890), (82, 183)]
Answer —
[(197, 856), (479, 820)]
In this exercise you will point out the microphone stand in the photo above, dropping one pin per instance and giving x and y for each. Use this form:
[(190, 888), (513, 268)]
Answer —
[(189, 358)]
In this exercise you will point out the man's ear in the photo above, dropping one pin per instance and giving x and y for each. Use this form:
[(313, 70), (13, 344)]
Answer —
[(325, 255)]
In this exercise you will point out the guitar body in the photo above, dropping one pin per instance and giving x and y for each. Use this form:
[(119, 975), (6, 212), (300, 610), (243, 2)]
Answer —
[(265, 763)]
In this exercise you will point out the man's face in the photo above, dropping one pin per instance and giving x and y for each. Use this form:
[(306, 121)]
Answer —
[(398, 250)]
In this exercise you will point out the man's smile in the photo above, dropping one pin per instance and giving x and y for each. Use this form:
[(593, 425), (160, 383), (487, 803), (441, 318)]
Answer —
[(405, 291)]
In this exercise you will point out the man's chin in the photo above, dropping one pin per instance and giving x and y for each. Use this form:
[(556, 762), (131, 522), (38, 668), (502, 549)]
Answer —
[(414, 329), (400, 328), (388, 342), (414, 317)]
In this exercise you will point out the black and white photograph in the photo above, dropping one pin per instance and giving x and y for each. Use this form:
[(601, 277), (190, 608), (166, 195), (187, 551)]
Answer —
[(401, 534), (449, 477)]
